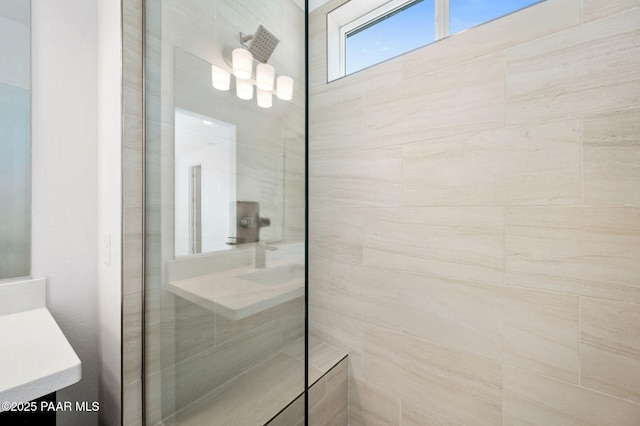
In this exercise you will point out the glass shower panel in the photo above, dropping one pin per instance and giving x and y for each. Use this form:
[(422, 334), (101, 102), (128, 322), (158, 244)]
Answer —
[(224, 211)]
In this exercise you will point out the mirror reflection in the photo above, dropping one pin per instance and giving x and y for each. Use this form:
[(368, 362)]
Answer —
[(15, 138), (205, 184)]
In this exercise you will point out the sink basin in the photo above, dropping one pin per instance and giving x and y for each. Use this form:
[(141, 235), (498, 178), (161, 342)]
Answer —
[(285, 274)]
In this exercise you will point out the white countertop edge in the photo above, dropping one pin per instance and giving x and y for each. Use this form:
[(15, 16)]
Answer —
[(43, 386), (22, 294), (36, 358)]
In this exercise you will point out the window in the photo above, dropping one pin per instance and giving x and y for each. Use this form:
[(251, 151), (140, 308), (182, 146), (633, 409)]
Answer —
[(362, 33), (392, 34)]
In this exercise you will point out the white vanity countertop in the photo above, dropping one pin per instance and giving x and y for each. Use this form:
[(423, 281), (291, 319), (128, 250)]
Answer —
[(227, 294), (35, 357)]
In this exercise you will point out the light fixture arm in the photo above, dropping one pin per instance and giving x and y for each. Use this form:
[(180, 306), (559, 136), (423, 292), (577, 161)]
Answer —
[(245, 39)]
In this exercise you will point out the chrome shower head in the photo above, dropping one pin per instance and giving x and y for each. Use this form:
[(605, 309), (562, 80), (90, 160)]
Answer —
[(262, 43)]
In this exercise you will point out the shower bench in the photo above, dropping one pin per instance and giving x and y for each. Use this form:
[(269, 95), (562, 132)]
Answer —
[(270, 394)]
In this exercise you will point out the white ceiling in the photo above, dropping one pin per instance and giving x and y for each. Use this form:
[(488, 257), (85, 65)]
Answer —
[(314, 4)]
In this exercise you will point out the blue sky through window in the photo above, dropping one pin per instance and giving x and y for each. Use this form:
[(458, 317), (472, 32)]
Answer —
[(465, 14), (413, 26), (406, 30)]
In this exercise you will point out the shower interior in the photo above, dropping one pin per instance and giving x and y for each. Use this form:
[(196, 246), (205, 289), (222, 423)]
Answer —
[(224, 319)]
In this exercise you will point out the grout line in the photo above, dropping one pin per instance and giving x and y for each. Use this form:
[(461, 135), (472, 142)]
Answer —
[(579, 340)]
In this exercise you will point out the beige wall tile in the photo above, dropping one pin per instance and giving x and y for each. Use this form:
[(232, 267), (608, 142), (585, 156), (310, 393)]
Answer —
[(332, 408), (466, 316), (534, 400), (459, 99), (461, 387), (132, 338), (324, 356), (132, 403), (537, 164), (590, 251), (370, 405), (336, 127), (336, 234), (582, 70), (317, 391), (227, 329), (363, 179), (612, 157), (595, 9), (202, 373), (356, 292), (384, 75), (195, 329), (610, 347), (293, 415), (529, 329), (446, 242), (540, 332), (417, 415), (340, 331)]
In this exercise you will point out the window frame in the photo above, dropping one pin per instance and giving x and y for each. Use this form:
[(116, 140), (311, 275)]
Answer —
[(357, 13)]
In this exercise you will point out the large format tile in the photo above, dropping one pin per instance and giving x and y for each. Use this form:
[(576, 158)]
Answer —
[(417, 415), (612, 157), (252, 398), (336, 234), (446, 242), (365, 294), (610, 347), (384, 76), (540, 332), (590, 68), (538, 164), (529, 329), (196, 376), (332, 408), (595, 9), (363, 179), (336, 127), (340, 331), (589, 251), (534, 400), (459, 99), (371, 405), (458, 386), (462, 315)]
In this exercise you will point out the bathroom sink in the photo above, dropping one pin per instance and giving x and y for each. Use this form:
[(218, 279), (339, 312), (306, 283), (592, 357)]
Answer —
[(279, 275)]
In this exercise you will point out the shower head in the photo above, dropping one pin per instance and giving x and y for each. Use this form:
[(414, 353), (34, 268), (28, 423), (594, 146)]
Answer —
[(262, 43)]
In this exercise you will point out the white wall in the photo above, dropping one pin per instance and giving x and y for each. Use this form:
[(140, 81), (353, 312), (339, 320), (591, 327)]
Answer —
[(65, 181), (110, 204)]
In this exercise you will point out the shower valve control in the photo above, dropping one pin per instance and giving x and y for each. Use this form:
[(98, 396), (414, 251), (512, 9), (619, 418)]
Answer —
[(247, 222)]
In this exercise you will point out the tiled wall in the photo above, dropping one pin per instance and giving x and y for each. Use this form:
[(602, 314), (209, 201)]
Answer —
[(132, 220), (475, 221)]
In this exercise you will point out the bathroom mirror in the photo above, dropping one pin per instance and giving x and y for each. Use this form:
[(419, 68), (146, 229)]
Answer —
[(205, 182), (15, 138), (239, 151)]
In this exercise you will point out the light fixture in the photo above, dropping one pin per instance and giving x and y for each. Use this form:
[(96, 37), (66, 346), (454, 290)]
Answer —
[(265, 98), (265, 74), (242, 61), (260, 46), (244, 89), (284, 89), (220, 79)]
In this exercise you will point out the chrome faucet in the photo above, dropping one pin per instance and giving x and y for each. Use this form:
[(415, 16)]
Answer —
[(261, 255)]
